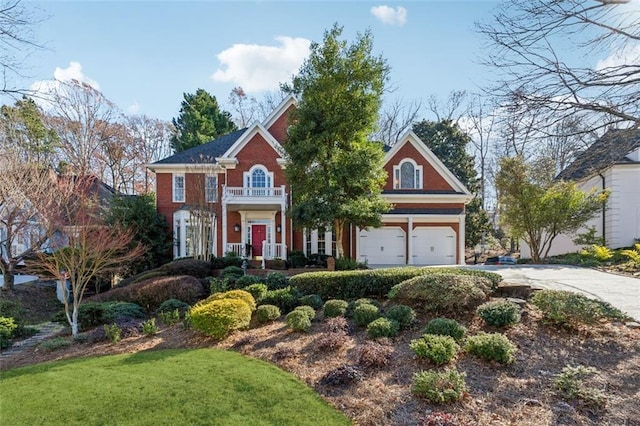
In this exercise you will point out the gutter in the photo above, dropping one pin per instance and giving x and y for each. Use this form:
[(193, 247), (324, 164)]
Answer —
[(604, 210)]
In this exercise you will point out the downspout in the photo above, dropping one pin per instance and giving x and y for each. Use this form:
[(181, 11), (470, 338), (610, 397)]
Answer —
[(604, 209)]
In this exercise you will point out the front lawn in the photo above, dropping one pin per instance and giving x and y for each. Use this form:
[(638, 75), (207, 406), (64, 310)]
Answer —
[(164, 387)]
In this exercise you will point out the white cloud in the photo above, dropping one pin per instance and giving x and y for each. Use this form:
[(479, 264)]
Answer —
[(628, 55), (390, 16), (45, 88), (259, 68), (74, 72)]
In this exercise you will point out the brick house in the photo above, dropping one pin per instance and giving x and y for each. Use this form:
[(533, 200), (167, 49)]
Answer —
[(233, 190)]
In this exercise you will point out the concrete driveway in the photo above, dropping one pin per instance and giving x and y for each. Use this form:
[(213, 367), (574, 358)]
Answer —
[(622, 292)]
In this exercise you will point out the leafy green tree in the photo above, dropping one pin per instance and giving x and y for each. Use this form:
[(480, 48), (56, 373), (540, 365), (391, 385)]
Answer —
[(22, 128), (200, 120), (336, 173), (539, 211), (449, 143), (149, 229)]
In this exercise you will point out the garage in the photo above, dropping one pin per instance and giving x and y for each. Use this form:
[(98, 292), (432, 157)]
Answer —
[(383, 246), (434, 246)]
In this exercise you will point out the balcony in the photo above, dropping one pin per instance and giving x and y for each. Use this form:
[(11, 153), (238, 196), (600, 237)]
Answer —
[(249, 197)]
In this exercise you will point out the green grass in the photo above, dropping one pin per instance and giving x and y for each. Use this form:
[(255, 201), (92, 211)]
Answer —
[(164, 387)]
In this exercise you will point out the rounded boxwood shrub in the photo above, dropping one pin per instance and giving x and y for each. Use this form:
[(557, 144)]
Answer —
[(193, 267), (563, 307), (365, 313), (382, 327), (499, 313), (312, 300), (445, 327), (442, 292), (247, 280), (491, 347), (284, 298), (217, 318), (403, 314), (276, 280), (437, 349), (362, 301), (335, 308), (171, 305), (440, 386), (245, 296), (232, 272), (267, 313), (258, 291), (308, 310), (298, 320)]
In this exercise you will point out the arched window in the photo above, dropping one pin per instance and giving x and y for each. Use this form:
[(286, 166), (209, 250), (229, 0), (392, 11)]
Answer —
[(407, 175), (258, 179)]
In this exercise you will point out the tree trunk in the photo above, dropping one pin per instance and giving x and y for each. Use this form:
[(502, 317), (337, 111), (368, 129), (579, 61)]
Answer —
[(74, 321), (9, 279), (338, 228)]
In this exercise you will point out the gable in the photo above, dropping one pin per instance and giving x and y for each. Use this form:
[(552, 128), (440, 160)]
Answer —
[(279, 127), (436, 177), (257, 151), (248, 136)]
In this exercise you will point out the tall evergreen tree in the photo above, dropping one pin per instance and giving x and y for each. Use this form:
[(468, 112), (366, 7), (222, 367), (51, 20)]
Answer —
[(449, 143), (336, 173), (200, 120)]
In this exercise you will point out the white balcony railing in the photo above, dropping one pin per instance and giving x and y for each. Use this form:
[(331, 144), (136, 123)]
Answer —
[(237, 248), (269, 250), (249, 192)]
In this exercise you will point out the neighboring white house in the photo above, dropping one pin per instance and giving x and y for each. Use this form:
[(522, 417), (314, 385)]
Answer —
[(612, 162)]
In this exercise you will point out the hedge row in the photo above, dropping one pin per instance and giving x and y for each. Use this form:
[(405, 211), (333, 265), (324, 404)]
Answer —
[(373, 282)]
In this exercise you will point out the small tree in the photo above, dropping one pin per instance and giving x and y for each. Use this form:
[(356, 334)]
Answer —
[(139, 215), (92, 250), (336, 173), (28, 211), (538, 211)]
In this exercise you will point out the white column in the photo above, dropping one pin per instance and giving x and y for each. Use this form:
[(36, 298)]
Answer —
[(224, 227), (358, 243), (410, 240), (283, 227), (243, 231), (461, 240)]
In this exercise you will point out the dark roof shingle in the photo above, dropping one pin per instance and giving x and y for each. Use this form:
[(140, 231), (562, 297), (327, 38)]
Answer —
[(612, 148), (205, 153)]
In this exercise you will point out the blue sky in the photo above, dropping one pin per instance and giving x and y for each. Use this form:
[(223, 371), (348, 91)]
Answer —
[(144, 55)]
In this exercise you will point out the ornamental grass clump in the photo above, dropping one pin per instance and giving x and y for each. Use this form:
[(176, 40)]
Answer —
[(499, 313), (437, 349), (491, 347), (364, 314), (217, 318), (445, 327), (267, 313), (335, 308), (440, 386)]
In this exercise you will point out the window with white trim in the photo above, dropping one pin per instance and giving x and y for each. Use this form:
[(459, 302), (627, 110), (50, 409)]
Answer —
[(258, 177), (211, 188), (407, 175), (178, 188)]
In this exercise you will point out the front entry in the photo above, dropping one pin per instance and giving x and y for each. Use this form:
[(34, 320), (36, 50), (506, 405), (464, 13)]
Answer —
[(258, 235)]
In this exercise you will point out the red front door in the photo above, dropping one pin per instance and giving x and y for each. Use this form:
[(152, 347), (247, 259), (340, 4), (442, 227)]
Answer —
[(258, 235)]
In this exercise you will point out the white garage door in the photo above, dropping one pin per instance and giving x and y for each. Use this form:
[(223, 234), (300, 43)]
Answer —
[(383, 246), (434, 246)]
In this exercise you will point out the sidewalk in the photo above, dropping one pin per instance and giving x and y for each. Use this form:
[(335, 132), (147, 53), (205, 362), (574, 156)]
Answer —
[(47, 330)]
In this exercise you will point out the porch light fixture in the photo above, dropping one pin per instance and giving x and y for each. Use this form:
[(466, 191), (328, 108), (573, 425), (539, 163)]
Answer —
[(278, 229), (236, 227)]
